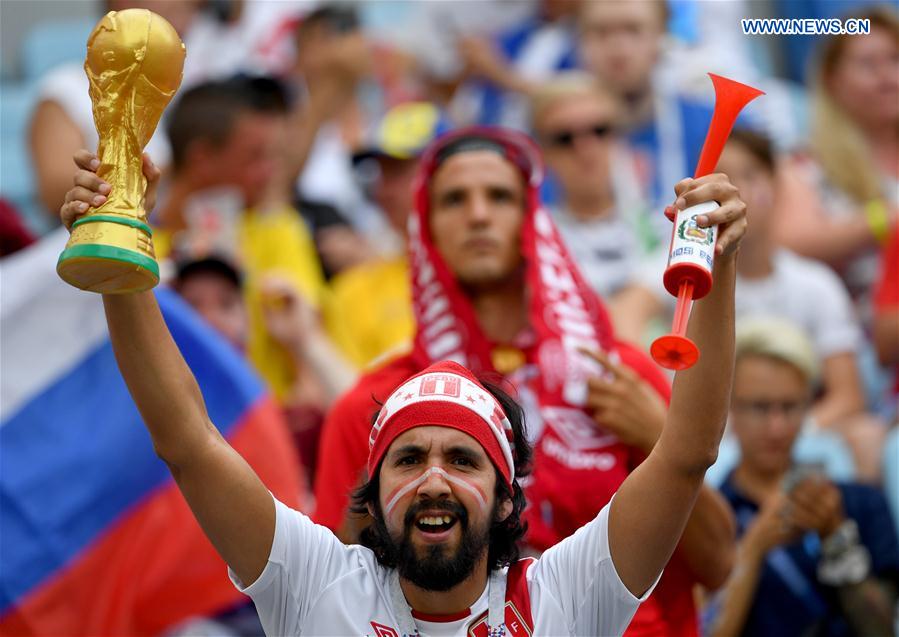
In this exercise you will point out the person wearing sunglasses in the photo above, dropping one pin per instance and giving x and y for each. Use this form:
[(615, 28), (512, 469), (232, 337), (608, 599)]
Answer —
[(599, 205)]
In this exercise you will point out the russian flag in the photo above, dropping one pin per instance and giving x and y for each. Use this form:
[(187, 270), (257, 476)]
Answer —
[(95, 538)]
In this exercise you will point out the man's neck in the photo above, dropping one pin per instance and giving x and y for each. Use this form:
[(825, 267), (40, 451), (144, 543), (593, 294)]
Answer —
[(757, 485), (638, 107), (502, 310), (756, 260), (457, 599)]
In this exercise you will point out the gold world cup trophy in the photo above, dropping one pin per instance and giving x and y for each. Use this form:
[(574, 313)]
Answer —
[(134, 64)]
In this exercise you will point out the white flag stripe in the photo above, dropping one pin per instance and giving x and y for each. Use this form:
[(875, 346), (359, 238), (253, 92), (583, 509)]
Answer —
[(39, 315)]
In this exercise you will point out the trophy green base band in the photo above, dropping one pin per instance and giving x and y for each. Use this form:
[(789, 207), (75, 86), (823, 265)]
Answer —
[(107, 269), (125, 221)]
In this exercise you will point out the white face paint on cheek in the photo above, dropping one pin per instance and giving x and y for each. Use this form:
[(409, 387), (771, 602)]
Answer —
[(473, 489), (400, 492)]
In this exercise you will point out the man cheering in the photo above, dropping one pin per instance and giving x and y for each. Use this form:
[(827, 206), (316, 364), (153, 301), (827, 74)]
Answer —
[(445, 458)]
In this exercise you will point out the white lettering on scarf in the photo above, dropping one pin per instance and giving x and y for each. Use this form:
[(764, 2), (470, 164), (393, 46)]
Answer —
[(566, 310), (601, 461), (441, 334), (565, 307), (577, 429)]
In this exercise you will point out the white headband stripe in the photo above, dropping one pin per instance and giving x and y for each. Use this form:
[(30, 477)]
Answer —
[(456, 389)]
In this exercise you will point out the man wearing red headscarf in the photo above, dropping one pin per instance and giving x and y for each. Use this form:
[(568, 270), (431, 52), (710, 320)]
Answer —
[(495, 289)]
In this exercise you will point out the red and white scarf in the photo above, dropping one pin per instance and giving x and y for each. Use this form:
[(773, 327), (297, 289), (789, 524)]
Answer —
[(564, 312)]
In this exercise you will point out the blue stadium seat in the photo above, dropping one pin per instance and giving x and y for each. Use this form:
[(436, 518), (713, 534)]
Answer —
[(52, 43), (16, 178)]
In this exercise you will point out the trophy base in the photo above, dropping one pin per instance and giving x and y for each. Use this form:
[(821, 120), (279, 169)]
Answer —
[(109, 255)]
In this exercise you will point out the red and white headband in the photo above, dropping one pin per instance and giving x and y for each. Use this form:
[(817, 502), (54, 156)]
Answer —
[(447, 395)]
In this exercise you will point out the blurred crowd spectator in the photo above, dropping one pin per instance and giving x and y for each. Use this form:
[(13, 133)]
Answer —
[(290, 217), (814, 554)]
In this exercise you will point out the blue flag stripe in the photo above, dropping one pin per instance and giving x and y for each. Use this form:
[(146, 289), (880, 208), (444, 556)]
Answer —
[(77, 457)]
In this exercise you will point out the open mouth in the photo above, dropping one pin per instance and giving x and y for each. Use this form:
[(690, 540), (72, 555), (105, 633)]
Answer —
[(435, 523)]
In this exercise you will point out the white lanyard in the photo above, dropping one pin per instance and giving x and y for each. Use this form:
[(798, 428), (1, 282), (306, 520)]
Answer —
[(496, 595)]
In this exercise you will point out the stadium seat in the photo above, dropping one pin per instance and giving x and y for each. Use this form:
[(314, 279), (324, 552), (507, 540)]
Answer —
[(49, 44)]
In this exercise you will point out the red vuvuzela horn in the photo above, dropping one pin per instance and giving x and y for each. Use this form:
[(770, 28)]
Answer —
[(692, 249)]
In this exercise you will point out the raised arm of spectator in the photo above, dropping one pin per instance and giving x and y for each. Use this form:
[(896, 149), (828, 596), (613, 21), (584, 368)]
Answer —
[(294, 323), (484, 60), (231, 504), (340, 62), (652, 506), (804, 227)]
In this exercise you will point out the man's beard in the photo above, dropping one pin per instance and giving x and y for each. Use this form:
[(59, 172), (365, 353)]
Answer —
[(437, 569)]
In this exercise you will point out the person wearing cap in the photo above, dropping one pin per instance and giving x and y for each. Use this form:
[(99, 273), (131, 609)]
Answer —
[(445, 453), (213, 286), (368, 311), (816, 556), (480, 296)]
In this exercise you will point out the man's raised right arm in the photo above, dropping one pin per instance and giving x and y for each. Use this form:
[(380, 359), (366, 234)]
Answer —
[(231, 504)]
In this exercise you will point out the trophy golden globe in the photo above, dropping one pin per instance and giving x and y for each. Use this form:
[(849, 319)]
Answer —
[(134, 64)]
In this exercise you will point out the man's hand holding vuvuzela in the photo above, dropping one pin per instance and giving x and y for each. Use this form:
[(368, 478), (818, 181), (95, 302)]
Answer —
[(232, 505)]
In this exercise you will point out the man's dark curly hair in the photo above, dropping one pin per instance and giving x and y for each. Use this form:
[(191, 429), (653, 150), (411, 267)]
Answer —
[(504, 535)]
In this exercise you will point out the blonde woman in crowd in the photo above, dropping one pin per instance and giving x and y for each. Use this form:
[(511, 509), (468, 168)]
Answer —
[(841, 200)]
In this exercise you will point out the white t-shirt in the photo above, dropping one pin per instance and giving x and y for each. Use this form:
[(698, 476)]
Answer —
[(314, 584), (606, 250), (806, 293), (260, 42), (612, 251)]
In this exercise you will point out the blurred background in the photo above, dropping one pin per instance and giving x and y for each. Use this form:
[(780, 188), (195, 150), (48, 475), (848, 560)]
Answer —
[(289, 158)]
